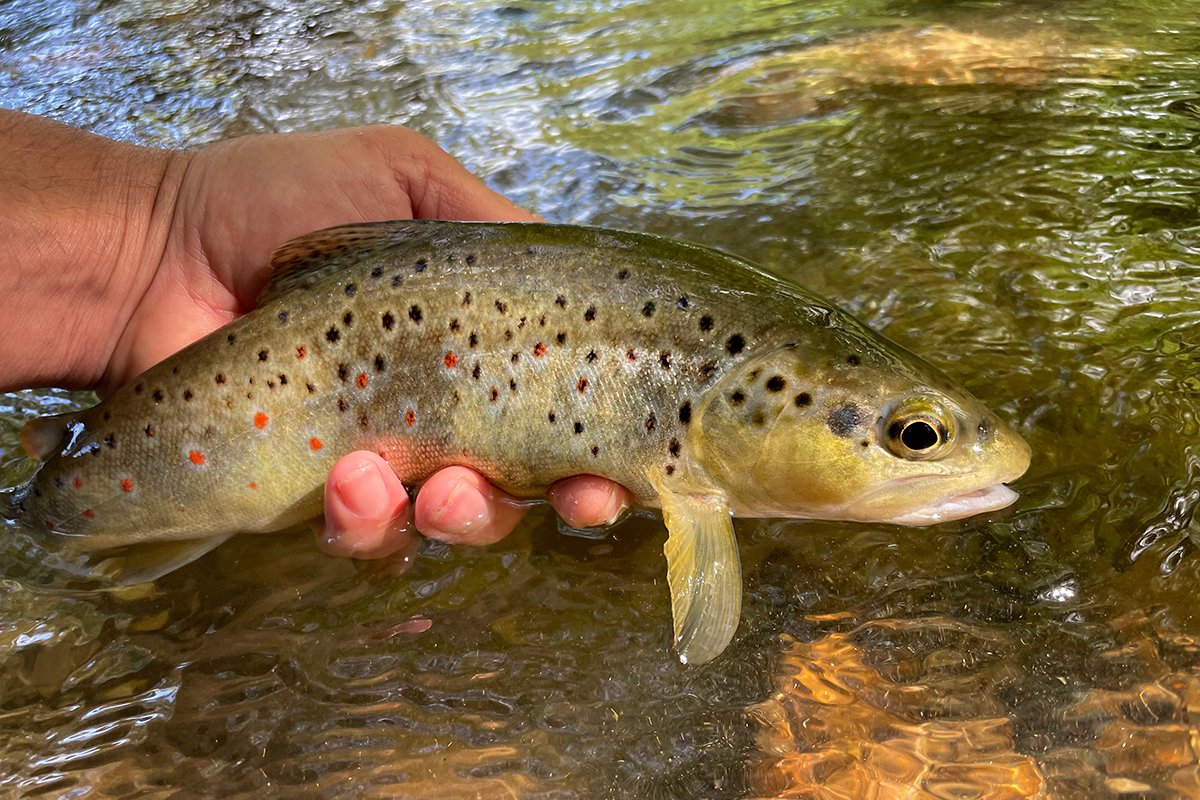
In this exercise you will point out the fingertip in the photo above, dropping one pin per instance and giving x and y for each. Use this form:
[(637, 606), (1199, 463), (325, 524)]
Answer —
[(459, 506), (586, 501), (366, 508)]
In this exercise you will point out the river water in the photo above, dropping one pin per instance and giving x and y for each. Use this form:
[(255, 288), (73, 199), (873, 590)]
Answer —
[(1011, 189)]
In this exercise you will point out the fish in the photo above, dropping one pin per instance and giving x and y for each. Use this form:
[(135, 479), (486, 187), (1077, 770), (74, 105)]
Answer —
[(530, 352)]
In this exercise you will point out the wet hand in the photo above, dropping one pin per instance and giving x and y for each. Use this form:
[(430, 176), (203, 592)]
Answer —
[(239, 200)]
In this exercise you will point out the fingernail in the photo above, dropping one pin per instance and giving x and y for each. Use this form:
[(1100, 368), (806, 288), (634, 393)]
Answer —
[(463, 510), (363, 491), (617, 502)]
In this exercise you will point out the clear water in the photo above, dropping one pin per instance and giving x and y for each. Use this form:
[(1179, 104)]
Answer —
[(1014, 193)]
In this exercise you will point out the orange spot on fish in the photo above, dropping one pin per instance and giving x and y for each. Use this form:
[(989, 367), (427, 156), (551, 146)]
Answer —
[(450, 360), (410, 418), (383, 454), (126, 485), (539, 350), (315, 444), (361, 380), (196, 457), (252, 485), (261, 420), (77, 483), (301, 352), (49, 525), (87, 512)]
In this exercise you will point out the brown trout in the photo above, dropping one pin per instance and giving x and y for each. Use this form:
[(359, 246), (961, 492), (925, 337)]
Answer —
[(530, 353)]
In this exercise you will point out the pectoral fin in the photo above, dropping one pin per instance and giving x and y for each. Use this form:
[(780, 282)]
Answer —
[(703, 571), (148, 562)]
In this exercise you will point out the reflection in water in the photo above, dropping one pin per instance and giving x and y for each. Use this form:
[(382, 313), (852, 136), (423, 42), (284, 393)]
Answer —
[(1011, 189)]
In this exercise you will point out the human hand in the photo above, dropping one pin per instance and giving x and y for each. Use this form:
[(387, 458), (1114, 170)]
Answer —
[(200, 252)]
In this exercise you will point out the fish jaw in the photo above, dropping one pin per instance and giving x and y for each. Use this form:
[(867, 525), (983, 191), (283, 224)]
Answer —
[(958, 506)]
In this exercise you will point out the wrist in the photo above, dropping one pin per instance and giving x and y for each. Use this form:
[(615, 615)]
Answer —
[(83, 222)]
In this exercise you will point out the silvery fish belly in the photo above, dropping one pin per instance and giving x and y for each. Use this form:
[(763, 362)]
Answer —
[(530, 353)]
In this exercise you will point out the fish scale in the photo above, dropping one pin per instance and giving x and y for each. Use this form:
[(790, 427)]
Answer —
[(529, 353)]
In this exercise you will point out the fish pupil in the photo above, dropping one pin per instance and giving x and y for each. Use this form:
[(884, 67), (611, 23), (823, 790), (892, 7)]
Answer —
[(919, 435)]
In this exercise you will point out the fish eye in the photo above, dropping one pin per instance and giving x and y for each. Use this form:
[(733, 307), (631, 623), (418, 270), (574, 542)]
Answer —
[(919, 430)]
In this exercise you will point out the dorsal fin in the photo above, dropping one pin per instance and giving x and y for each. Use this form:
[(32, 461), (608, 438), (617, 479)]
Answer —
[(303, 261), (43, 436)]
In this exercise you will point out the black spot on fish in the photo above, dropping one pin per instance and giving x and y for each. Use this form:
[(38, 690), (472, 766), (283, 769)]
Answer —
[(552, 417), (685, 412), (670, 470), (853, 360), (664, 360), (348, 319), (707, 370), (683, 302), (343, 372), (187, 396), (342, 404), (508, 334), (630, 355), (735, 344), (150, 430), (738, 397), (803, 399), (110, 441), (560, 301), (333, 334), (648, 309), (591, 356), (706, 324), (283, 379), (220, 378), (270, 384), (350, 290), (775, 383), (673, 448), (414, 313), (651, 423), (493, 394), (420, 265), (139, 388), (757, 419), (231, 338), (455, 327), (174, 370), (521, 324), (515, 357), (578, 427), (470, 260), (623, 275), (590, 314), (595, 450), (473, 339), (263, 355), (379, 362), (107, 416), (363, 420), (844, 419), (397, 280), (531, 250), (377, 272), (311, 389), (502, 306), (466, 301), (512, 384), (283, 317), (388, 320), (475, 371), (864, 444), (157, 395), (561, 338)]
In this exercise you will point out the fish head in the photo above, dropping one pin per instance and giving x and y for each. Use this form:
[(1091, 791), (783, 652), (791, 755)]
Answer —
[(876, 435)]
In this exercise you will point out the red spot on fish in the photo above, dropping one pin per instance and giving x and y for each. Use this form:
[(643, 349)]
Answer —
[(126, 485), (196, 457), (77, 483), (581, 387), (450, 360), (301, 351), (87, 512), (315, 444), (252, 485), (539, 350), (410, 418), (361, 380), (49, 525), (261, 420), (383, 454)]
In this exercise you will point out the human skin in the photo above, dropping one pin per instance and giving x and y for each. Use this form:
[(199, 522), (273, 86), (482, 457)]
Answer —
[(113, 256)]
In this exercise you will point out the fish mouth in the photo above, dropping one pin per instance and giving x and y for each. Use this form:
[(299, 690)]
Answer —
[(957, 506)]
